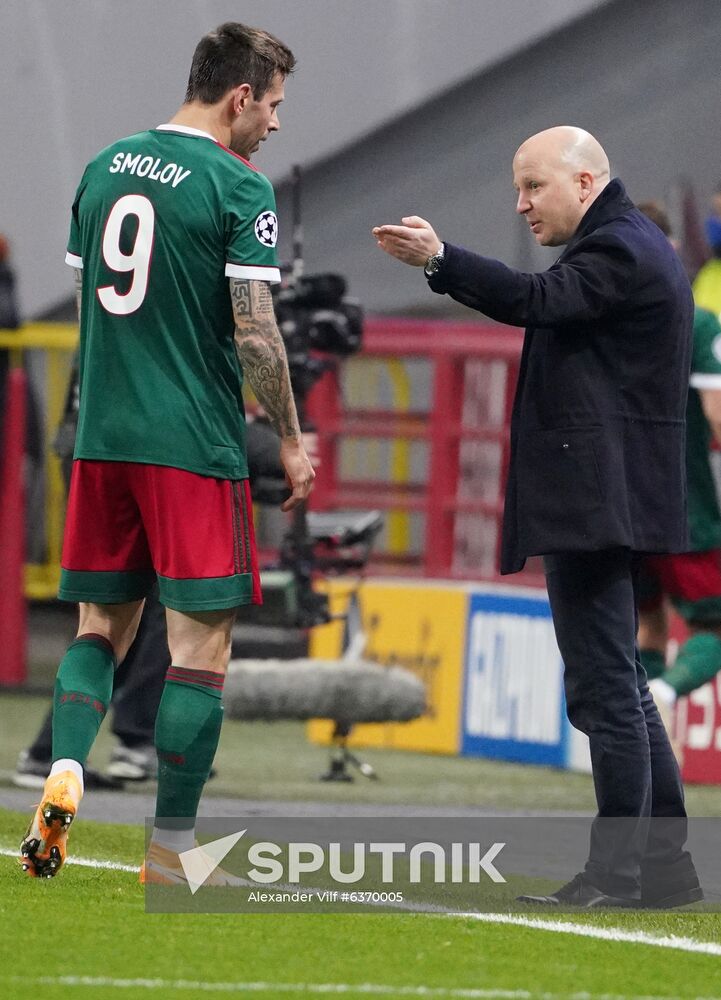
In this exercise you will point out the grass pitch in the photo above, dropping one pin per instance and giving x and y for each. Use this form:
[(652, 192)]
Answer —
[(86, 934)]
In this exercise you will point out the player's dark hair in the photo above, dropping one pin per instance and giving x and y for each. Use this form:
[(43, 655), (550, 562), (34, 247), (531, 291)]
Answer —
[(658, 214), (234, 54)]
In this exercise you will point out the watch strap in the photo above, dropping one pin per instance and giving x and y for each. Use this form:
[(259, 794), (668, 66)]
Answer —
[(433, 264)]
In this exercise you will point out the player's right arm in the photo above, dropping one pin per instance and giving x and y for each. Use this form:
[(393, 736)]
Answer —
[(261, 352)]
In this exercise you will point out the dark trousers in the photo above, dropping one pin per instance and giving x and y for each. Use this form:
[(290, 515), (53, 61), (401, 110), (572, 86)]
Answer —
[(137, 685), (641, 820)]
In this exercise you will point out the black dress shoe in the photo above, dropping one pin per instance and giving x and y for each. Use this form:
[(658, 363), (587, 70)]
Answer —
[(582, 893), (666, 886)]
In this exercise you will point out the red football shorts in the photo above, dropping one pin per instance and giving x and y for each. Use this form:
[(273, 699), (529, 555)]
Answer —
[(129, 523), (692, 581)]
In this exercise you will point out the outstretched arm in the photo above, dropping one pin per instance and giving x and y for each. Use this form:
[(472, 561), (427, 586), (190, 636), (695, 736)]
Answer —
[(413, 242), (591, 282), (261, 352)]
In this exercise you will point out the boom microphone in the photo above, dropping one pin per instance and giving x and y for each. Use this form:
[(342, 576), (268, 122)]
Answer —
[(348, 693)]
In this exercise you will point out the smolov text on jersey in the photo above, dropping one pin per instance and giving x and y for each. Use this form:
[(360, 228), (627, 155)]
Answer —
[(150, 167)]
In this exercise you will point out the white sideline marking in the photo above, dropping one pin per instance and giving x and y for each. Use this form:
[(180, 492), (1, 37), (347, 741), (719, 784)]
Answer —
[(115, 866), (369, 989), (614, 934)]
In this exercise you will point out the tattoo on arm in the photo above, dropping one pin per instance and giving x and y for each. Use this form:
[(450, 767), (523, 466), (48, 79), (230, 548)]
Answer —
[(78, 288), (240, 294), (261, 352)]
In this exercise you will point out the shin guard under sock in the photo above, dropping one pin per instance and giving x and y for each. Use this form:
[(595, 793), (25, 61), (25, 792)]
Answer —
[(187, 730), (83, 689)]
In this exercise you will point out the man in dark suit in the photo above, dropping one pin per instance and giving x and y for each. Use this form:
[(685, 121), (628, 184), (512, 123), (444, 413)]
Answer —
[(596, 476)]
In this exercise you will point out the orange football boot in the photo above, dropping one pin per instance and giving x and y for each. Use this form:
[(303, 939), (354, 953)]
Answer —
[(162, 866), (43, 850)]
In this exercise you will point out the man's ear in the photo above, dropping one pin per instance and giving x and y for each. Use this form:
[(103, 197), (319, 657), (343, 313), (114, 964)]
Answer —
[(585, 183), (239, 98)]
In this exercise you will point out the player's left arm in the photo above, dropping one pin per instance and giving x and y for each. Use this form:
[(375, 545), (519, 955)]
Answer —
[(711, 403), (261, 352), (78, 288)]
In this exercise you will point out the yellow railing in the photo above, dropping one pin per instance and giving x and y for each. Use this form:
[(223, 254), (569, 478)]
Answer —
[(58, 342)]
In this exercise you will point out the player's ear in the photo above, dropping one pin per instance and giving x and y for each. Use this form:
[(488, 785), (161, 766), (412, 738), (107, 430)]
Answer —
[(239, 97)]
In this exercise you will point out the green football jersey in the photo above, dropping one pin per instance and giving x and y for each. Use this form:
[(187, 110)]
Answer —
[(160, 221), (704, 518)]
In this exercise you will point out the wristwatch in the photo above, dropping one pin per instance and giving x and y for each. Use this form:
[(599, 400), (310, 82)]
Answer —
[(434, 262)]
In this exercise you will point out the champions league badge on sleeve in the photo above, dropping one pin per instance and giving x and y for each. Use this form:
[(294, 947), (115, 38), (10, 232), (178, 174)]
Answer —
[(266, 228)]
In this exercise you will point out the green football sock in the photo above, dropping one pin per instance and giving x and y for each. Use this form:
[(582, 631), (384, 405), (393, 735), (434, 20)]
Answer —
[(187, 730), (83, 688), (698, 661), (654, 663)]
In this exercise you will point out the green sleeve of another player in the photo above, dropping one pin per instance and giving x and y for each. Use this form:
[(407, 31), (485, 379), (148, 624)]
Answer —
[(706, 359), (251, 230)]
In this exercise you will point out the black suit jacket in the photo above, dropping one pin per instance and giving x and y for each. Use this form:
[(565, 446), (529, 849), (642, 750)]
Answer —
[(598, 425)]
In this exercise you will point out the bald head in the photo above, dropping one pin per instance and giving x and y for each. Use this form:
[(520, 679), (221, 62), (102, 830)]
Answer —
[(558, 174), (567, 146)]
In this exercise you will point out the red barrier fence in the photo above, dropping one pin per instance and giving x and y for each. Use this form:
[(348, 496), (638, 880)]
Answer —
[(465, 430), (13, 608)]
